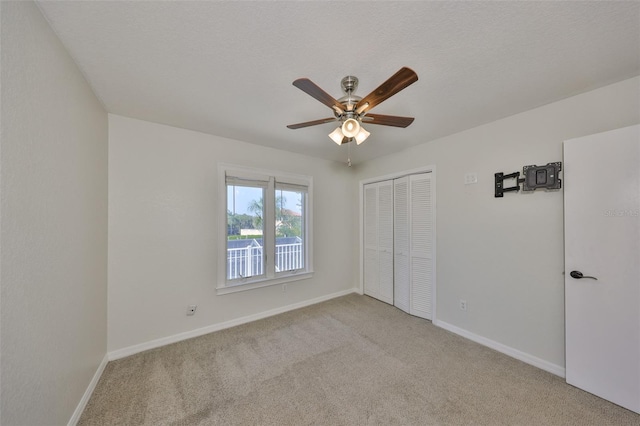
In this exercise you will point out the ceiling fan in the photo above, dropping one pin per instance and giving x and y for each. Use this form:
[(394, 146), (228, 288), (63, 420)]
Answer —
[(352, 111)]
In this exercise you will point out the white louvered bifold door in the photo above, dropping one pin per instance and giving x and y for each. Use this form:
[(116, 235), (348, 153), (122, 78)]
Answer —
[(421, 236), (385, 241), (371, 279), (401, 243)]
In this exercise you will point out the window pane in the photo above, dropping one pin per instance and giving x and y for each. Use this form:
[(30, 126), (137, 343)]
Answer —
[(289, 224), (245, 213)]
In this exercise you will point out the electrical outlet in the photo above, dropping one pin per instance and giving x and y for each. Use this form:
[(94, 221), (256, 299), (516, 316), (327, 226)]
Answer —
[(463, 305), (191, 310)]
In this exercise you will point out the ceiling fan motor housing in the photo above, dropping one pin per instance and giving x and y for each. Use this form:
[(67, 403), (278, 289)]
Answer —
[(349, 84)]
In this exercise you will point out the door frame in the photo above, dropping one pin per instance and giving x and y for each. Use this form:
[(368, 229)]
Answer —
[(424, 169)]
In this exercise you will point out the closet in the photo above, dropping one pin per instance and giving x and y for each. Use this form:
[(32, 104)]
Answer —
[(398, 238)]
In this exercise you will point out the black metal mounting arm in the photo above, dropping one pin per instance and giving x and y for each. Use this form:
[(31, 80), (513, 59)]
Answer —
[(499, 183)]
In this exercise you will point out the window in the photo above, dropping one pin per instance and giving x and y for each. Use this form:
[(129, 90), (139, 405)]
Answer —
[(267, 228)]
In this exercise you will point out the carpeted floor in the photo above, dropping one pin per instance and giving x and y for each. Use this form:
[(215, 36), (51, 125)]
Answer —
[(347, 361)]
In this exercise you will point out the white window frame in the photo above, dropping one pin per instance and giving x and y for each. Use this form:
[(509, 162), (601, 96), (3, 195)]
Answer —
[(270, 277)]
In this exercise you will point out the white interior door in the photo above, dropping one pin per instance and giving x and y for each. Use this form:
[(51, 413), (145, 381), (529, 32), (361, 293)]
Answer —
[(370, 272), (602, 240), (378, 240), (401, 249), (385, 240), (421, 247)]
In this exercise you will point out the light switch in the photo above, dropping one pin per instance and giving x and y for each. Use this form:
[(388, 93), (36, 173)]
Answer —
[(470, 178)]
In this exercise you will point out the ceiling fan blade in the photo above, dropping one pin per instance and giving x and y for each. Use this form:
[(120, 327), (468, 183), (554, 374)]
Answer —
[(311, 123), (387, 120), (312, 89), (403, 78)]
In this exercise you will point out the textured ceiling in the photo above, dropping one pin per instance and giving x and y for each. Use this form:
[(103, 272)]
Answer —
[(226, 68)]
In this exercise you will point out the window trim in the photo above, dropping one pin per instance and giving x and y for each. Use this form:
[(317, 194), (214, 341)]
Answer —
[(270, 277)]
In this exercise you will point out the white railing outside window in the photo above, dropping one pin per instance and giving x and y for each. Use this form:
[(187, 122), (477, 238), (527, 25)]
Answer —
[(289, 257), (244, 262)]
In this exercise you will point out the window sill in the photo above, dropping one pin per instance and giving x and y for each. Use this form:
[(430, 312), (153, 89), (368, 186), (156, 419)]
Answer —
[(281, 279)]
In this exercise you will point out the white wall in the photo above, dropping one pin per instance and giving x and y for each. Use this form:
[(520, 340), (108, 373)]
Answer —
[(163, 235), (54, 224), (504, 256)]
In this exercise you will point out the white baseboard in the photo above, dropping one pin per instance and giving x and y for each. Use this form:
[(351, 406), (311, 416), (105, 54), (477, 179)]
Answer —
[(131, 350), (514, 353), (87, 394)]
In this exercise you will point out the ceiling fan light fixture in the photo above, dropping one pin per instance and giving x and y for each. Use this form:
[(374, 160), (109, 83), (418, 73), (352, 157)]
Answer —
[(362, 135), (350, 128), (337, 135)]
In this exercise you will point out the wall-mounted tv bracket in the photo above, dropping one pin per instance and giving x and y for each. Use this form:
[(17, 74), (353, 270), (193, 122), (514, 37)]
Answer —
[(500, 177), (535, 177)]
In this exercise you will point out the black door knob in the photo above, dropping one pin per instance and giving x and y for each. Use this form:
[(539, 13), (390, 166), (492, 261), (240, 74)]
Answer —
[(577, 275)]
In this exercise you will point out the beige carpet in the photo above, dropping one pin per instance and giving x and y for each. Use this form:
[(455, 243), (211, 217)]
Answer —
[(348, 361)]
